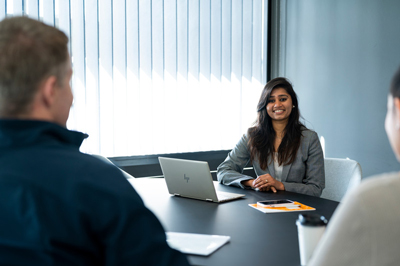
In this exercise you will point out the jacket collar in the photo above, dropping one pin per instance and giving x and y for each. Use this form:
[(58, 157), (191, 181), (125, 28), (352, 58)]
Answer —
[(17, 133)]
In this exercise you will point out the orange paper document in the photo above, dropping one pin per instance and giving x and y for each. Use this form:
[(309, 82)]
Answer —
[(299, 207)]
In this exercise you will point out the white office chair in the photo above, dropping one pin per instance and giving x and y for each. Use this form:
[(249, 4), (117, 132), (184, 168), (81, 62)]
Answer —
[(105, 159), (341, 175)]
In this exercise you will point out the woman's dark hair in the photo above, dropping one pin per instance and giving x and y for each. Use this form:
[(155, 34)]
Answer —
[(262, 134)]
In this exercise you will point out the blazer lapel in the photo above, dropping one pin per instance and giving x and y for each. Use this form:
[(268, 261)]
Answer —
[(271, 168), (285, 172)]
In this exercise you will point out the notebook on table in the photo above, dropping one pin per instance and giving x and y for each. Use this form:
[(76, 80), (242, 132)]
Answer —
[(192, 179), (196, 244)]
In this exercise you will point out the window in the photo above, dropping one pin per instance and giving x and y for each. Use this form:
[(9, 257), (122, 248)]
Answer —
[(160, 76)]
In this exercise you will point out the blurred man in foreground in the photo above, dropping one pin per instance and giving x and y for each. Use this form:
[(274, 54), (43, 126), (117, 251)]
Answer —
[(59, 206)]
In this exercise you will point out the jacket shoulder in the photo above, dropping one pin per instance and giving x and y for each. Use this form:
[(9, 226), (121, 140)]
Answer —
[(309, 134)]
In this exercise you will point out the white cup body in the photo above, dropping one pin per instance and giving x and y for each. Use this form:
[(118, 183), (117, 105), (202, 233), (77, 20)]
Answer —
[(309, 237)]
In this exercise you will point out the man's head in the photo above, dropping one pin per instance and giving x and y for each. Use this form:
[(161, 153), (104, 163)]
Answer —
[(392, 121), (35, 71)]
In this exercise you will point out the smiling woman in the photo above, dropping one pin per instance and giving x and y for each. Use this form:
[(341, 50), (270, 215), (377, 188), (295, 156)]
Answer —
[(279, 106), (284, 153)]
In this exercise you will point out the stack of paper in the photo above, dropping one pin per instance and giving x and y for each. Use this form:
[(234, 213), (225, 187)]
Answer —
[(301, 207), (196, 244)]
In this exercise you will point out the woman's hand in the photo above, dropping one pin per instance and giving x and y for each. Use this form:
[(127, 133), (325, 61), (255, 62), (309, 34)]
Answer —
[(267, 182), (248, 183)]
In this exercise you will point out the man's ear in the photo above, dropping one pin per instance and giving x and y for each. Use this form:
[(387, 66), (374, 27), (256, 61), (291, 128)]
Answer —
[(48, 89), (396, 107)]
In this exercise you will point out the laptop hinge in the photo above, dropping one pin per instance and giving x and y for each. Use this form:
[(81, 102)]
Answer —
[(176, 194), (209, 200)]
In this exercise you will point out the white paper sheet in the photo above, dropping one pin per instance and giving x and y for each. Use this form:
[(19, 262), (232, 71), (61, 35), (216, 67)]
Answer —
[(196, 244)]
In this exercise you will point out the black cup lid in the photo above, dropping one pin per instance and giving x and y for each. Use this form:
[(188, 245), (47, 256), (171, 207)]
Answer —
[(312, 219)]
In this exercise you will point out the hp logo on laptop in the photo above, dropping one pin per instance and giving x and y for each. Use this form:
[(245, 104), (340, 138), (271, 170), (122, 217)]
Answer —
[(186, 178)]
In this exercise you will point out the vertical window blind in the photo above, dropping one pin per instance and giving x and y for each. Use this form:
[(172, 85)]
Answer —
[(159, 76)]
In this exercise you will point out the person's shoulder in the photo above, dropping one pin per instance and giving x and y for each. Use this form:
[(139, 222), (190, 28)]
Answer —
[(250, 131), (99, 164), (102, 175), (381, 181), (378, 189), (306, 132), (90, 160), (92, 168), (308, 135)]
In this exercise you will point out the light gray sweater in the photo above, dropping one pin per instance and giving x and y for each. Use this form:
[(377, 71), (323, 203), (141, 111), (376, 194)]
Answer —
[(364, 230)]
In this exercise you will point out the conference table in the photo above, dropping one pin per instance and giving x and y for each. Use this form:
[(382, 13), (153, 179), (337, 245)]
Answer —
[(257, 238)]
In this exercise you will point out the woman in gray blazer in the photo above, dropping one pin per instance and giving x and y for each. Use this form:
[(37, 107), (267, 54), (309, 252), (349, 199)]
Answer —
[(284, 153)]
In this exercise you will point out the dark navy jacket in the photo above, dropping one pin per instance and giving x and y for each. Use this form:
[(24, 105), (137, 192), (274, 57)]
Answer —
[(59, 206)]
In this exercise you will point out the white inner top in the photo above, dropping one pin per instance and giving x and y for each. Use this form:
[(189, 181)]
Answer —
[(278, 168)]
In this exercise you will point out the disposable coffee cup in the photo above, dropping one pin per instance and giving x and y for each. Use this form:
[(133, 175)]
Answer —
[(310, 228)]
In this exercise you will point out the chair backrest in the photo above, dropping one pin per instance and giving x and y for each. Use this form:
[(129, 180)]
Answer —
[(105, 159), (341, 175)]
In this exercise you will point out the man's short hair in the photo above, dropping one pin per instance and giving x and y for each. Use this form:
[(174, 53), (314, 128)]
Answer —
[(30, 51), (395, 86)]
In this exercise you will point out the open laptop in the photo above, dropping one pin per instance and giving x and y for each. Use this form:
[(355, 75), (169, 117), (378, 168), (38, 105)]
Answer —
[(192, 179)]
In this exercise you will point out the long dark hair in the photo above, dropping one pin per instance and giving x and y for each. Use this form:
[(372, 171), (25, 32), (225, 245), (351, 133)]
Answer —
[(262, 134)]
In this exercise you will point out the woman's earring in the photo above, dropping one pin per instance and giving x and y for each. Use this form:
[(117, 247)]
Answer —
[(294, 106)]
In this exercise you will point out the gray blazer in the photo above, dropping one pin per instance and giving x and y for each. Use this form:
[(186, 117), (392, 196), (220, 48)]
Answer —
[(305, 175)]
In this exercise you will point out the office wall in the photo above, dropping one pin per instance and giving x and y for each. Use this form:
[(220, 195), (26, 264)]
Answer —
[(340, 56)]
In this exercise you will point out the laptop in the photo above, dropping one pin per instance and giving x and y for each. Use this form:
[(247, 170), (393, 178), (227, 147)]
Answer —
[(192, 179)]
